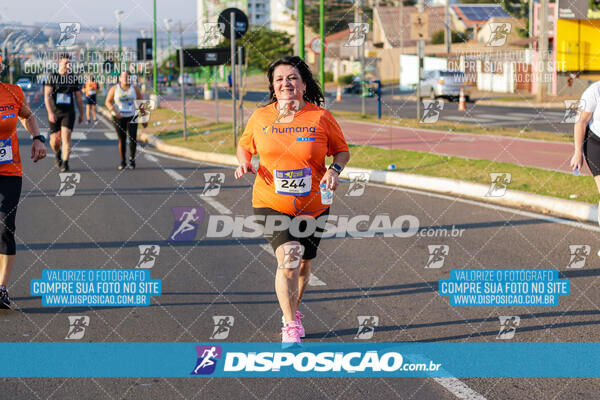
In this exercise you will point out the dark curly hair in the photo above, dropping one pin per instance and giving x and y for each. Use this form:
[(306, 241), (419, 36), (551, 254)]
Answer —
[(313, 93)]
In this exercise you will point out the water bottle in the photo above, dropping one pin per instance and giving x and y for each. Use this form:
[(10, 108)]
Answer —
[(326, 194), (576, 172)]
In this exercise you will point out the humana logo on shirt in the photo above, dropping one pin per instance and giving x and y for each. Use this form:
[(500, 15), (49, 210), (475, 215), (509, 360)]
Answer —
[(290, 129)]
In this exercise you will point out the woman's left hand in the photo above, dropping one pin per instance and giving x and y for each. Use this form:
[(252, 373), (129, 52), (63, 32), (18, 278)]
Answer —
[(331, 179)]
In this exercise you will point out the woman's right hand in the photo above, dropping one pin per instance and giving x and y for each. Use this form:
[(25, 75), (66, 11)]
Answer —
[(243, 169), (577, 160)]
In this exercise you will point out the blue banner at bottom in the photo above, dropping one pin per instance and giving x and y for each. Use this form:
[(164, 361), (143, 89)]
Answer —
[(266, 360)]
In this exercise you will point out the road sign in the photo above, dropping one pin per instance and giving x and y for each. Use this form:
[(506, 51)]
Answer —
[(140, 49), (419, 26), (315, 45), (241, 22), (203, 57)]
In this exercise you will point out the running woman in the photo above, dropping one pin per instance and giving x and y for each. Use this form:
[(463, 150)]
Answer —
[(120, 100), (586, 133), (61, 91), (292, 166), (91, 88), (12, 107)]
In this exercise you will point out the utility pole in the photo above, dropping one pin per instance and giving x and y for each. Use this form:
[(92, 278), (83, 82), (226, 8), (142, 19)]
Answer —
[(542, 50), (420, 51), (300, 16), (154, 57), (322, 35), (182, 75), (361, 50), (233, 80), (448, 36)]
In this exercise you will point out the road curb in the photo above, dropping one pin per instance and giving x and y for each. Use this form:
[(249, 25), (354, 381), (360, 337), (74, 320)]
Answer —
[(498, 103), (576, 210)]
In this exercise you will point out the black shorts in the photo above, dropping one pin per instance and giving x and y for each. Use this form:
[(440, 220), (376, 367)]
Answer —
[(279, 237), (90, 100), (10, 192), (591, 150), (63, 118)]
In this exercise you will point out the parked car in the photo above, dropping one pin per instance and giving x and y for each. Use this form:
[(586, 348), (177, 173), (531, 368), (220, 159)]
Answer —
[(355, 88), (444, 83), (25, 83)]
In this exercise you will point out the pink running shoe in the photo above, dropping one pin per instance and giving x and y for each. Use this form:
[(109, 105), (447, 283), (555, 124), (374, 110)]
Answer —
[(290, 334), (299, 316)]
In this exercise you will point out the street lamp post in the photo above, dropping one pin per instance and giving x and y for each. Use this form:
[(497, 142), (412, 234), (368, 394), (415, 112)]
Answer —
[(119, 15), (154, 56), (168, 26)]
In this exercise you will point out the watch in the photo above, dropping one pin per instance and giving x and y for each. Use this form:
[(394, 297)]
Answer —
[(336, 167), (40, 138)]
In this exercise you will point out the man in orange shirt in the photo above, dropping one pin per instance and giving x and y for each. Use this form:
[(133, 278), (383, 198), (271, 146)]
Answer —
[(12, 106), (91, 88), (292, 135)]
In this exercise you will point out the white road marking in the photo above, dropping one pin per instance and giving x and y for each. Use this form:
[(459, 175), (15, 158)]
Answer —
[(314, 281), (174, 174), (466, 120), (497, 116), (459, 388), (267, 247), (111, 135), (150, 158), (216, 205), (78, 136)]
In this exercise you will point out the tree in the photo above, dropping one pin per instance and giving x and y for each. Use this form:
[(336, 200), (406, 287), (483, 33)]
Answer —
[(336, 18), (438, 37), (263, 46)]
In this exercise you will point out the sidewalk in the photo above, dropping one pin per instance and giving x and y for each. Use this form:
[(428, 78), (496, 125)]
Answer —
[(525, 152)]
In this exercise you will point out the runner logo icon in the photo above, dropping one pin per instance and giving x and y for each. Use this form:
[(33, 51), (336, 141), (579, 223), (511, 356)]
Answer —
[(500, 181), (499, 32), (186, 223), (213, 182), (432, 110), (366, 326), (207, 359), (572, 111), (148, 255), (68, 183), (142, 111), (579, 253), (358, 34), (437, 255), (68, 33), (77, 326), (508, 327), (357, 183), (287, 109), (223, 325)]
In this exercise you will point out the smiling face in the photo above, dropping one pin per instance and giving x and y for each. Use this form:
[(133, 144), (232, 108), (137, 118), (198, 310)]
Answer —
[(287, 83)]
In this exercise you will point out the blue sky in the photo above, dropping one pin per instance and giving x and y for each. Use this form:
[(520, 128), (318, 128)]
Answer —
[(95, 12)]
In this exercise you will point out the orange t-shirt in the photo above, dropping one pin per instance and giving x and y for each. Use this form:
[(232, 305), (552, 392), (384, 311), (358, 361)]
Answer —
[(11, 100), (301, 144), (91, 87)]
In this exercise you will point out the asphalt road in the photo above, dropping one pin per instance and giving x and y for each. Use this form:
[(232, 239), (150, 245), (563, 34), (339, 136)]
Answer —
[(113, 212)]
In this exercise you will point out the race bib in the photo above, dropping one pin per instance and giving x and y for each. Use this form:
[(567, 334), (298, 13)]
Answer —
[(92, 92), (294, 182), (127, 107), (63, 98), (6, 155)]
